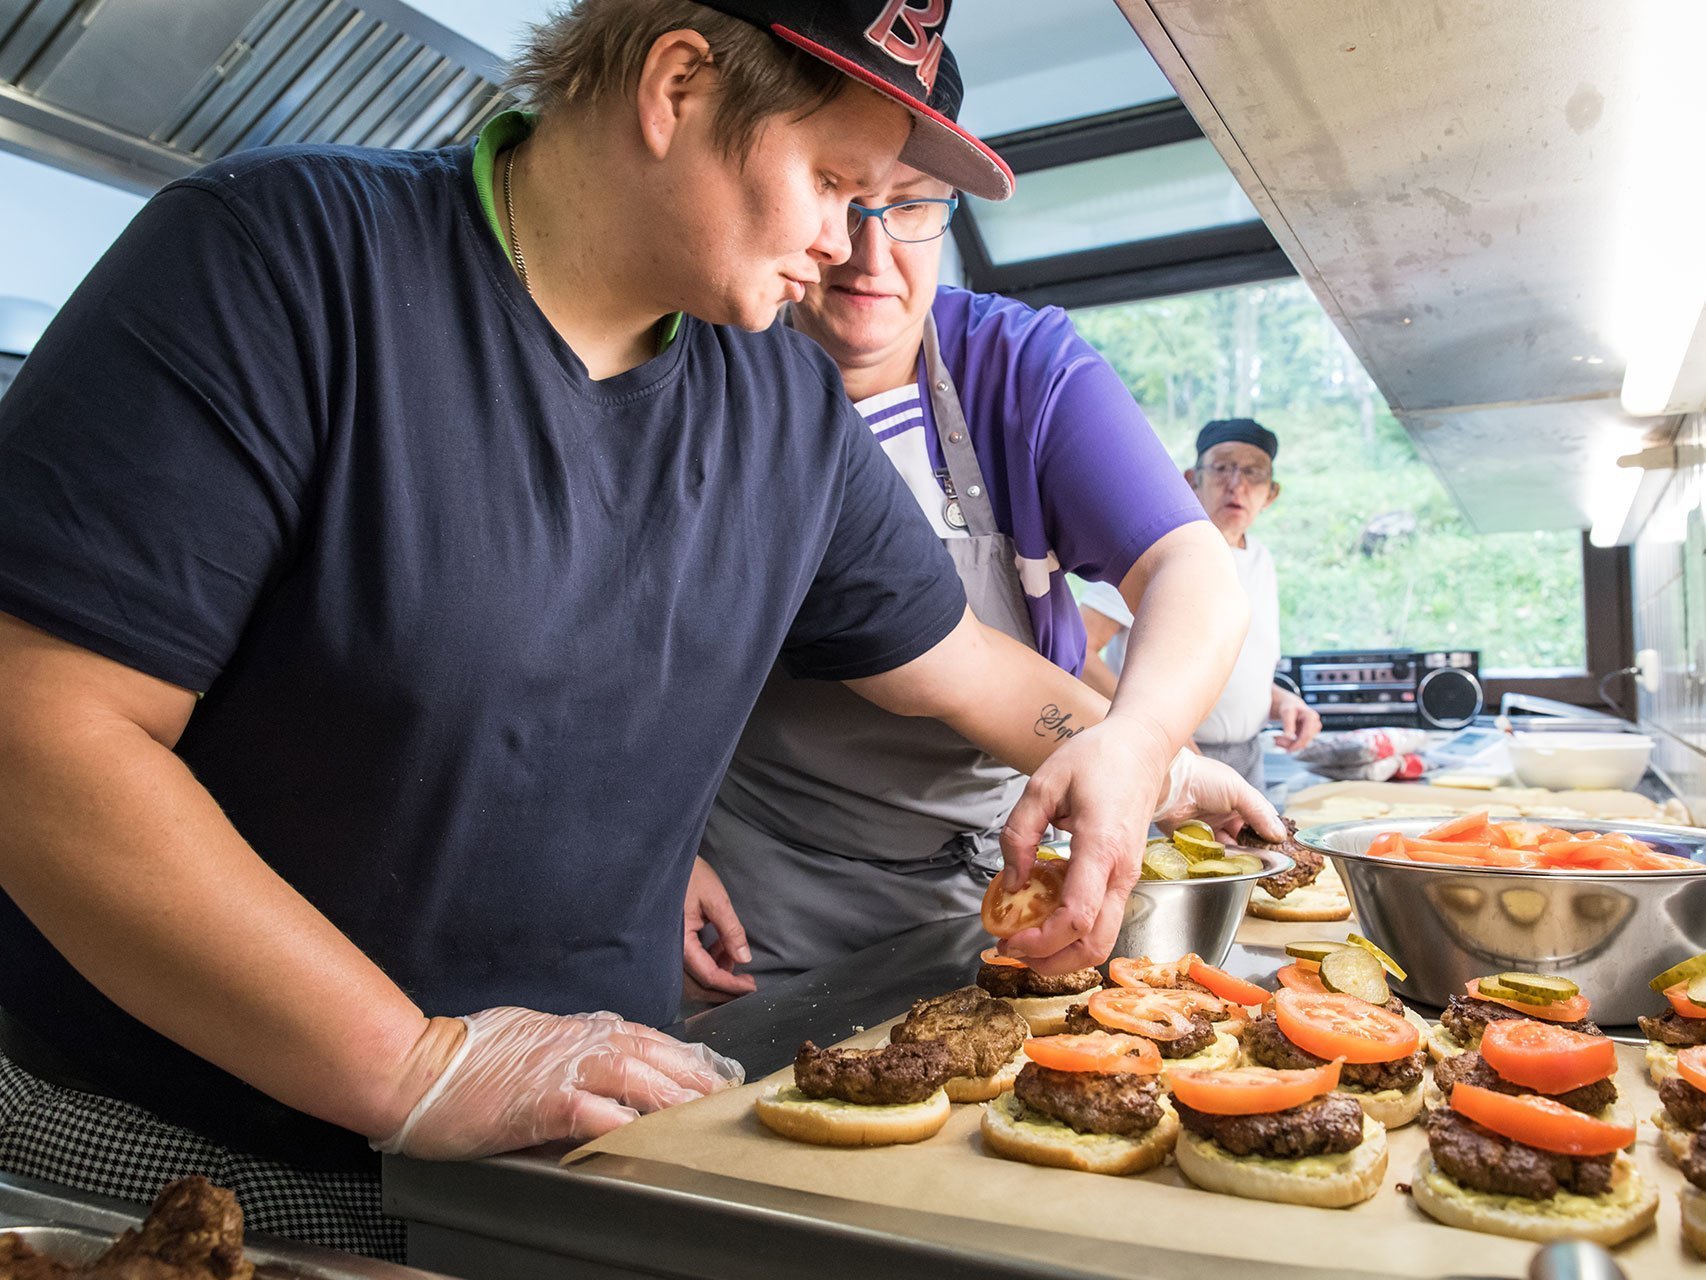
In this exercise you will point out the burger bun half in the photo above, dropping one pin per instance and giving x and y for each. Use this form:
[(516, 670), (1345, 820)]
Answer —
[(1326, 1182), (1622, 1212), (830, 1122), (1013, 1130)]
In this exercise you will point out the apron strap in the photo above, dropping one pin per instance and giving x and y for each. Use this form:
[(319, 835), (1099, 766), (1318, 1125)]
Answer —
[(955, 437)]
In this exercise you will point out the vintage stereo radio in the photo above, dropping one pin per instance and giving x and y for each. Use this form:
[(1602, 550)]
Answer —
[(1359, 690)]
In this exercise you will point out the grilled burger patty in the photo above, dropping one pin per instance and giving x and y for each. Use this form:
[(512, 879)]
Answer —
[(1466, 1017), (1091, 1101), (894, 1074), (1483, 1161), (1308, 862), (1199, 1037), (1013, 981), (1675, 1030), (1267, 1044), (1321, 1126), (1686, 1104), (981, 1032), (1693, 1162), (1472, 1068)]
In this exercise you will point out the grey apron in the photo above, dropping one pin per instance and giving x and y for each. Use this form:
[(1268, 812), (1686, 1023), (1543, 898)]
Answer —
[(840, 824), (1245, 757)]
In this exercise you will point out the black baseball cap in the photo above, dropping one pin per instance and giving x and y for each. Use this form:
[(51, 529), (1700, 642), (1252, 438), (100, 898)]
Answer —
[(894, 47), (1237, 431)]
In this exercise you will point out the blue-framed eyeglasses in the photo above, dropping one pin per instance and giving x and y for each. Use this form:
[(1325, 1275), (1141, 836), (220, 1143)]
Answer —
[(908, 221)]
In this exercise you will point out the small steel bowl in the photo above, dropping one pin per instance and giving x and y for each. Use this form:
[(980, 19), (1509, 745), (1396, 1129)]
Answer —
[(1607, 933), (1166, 918)]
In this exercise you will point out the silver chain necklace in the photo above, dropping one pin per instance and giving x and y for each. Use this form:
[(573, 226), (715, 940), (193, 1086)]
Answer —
[(509, 213)]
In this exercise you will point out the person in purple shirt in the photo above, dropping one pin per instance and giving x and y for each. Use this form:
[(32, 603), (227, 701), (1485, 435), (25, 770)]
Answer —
[(839, 825)]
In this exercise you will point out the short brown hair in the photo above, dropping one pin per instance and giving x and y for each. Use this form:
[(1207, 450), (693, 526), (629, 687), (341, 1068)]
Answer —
[(596, 49)]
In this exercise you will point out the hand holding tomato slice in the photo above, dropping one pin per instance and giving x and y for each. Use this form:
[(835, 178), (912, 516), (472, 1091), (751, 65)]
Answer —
[(1226, 986), (1006, 913), (1572, 1010), (1249, 1091), (1540, 1122), (1691, 1066), (1341, 1026), (1099, 1051), (1546, 1058), (1151, 1014)]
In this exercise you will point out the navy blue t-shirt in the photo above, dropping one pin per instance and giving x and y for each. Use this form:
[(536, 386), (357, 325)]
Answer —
[(477, 633)]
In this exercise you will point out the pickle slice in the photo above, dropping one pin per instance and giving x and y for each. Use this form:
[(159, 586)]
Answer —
[(1697, 991), (1356, 973), (1164, 862), (1201, 830), (1493, 989), (1209, 867), (1539, 988), (1246, 862), (1316, 951), (1688, 970), (1195, 847), (1386, 962)]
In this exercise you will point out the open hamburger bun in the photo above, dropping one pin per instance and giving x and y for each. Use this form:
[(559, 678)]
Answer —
[(1624, 1211), (1226, 1051), (832, 1123), (1013, 1130), (1327, 1182), (1661, 1062), (1393, 1108), (1694, 1219), (1442, 1044), (983, 1088), (1673, 1138), (1321, 900), (1047, 1014)]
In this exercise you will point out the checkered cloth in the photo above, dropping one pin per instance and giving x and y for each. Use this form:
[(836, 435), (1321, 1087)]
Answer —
[(113, 1148)]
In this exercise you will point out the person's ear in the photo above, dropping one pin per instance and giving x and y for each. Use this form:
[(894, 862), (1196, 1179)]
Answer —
[(1191, 476), (1273, 492), (677, 74)]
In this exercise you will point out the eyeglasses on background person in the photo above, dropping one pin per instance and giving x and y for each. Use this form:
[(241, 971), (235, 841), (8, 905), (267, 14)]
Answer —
[(908, 221), (1227, 472)]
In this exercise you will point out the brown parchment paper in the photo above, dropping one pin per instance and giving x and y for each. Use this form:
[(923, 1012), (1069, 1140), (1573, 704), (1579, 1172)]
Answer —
[(950, 1174), (1347, 801)]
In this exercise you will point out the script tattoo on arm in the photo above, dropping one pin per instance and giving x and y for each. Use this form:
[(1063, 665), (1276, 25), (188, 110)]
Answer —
[(1054, 720)]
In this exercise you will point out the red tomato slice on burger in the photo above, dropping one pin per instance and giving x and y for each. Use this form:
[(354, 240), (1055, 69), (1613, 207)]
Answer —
[(1141, 971), (1678, 997), (1546, 1058), (1005, 914), (1540, 1122), (1249, 1091), (1156, 1015), (1294, 977), (989, 955), (1572, 1010), (1341, 1026), (1691, 1065), (1097, 1051), (1227, 987)]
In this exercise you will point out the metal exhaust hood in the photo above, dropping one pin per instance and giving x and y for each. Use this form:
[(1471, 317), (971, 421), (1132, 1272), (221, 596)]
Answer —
[(138, 92)]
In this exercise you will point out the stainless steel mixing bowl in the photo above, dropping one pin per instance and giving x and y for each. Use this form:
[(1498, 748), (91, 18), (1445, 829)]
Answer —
[(1166, 918), (1608, 933)]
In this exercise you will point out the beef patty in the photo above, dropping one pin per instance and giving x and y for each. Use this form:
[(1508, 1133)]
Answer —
[(1321, 1126), (1091, 1101), (1686, 1104), (1472, 1068), (1484, 1161), (1079, 1022), (1307, 862), (981, 1032), (1693, 1162), (1013, 981), (893, 1074), (1466, 1017), (1268, 1046), (1675, 1030)]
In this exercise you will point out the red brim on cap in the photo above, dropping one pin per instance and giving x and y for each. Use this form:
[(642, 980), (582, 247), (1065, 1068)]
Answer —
[(938, 146)]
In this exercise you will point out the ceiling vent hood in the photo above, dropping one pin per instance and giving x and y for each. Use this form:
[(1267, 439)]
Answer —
[(138, 92)]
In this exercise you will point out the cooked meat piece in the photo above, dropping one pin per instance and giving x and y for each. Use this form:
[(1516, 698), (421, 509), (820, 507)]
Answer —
[(1686, 1104), (1307, 863), (1199, 1037), (1466, 1017), (1268, 1046), (1693, 1161), (1014, 981), (193, 1232), (1472, 1068), (981, 1032), (20, 1262), (1091, 1101), (1320, 1126), (895, 1073), (1482, 1160), (1675, 1030)]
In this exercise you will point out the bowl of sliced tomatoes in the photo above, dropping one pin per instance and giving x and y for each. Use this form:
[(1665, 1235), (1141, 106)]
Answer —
[(1600, 903)]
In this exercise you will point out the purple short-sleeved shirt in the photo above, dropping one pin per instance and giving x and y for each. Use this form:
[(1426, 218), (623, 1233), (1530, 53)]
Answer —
[(1076, 475)]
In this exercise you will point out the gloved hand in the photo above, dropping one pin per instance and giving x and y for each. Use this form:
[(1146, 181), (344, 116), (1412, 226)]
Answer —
[(1217, 794), (521, 1077)]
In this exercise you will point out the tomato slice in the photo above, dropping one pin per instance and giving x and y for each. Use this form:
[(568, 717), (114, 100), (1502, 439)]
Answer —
[(1341, 1026), (1691, 1065), (1678, 997), (1460, 828), (1572, 1010), (1249, 1091), (1227, 987), (1005, 914), (989, 955), (1141, 971), (1151, 1014), (1295, 977), (1546, 1058), (1540, 1122), (1098, 1051)]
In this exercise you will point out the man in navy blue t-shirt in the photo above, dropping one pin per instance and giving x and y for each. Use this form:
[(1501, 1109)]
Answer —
[(388, 560)]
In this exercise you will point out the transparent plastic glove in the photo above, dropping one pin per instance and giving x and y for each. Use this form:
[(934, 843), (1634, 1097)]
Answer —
[(522, 1077), (1217, 794)]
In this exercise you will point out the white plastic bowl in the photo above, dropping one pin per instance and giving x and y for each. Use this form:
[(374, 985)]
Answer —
[(1584, 761)]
